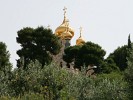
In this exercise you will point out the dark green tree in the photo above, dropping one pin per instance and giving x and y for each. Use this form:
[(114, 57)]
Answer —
[(120, 57), (129, 72), (109, 66), (37, 44), (129, 41), (71, 54), (5, 64), (87, 54)]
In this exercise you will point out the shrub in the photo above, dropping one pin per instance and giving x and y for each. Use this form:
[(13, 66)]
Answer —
[(52, 83)]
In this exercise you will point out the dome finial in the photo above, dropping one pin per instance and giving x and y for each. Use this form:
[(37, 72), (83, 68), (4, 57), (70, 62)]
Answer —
[(67, 25), (80, 31), (65, 12)]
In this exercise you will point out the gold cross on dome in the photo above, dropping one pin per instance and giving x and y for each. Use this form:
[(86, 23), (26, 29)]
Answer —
[(65, 11), (80, 31)]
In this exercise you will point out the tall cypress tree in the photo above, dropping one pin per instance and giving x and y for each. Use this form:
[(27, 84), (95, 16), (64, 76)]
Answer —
[(129, 73), (129, 41)]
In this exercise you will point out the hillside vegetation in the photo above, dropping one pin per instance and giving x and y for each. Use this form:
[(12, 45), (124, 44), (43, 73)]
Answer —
[(53, 83)]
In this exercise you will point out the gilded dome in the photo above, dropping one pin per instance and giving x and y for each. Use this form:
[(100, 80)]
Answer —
[(65, 35), (64, 30), (80, 40)]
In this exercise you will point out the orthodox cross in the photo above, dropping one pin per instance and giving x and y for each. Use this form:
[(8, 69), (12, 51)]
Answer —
[(80, 31), (65, 11)]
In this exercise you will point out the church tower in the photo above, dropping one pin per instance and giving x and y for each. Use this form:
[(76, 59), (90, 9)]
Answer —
[(64, 31)]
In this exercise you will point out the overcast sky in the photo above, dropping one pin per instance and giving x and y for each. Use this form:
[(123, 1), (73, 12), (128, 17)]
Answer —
[(105, 22)]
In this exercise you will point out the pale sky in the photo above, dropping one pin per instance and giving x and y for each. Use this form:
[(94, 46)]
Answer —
[(105, 22)]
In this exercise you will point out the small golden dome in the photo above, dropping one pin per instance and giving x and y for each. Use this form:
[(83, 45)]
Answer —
[(80, 40), (64, 30)]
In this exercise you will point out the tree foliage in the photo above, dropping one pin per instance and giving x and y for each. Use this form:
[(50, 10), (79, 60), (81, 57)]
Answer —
[(129, 41), (52, 83), (37, 44), (108, 66), (5, 64), (71, 54), (129, 72), (120, 57), (87, 54), (5, 69)]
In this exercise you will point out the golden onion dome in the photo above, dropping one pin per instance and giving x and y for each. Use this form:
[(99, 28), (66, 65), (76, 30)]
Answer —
[(66, 35), (80, 40), (61, 30)]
